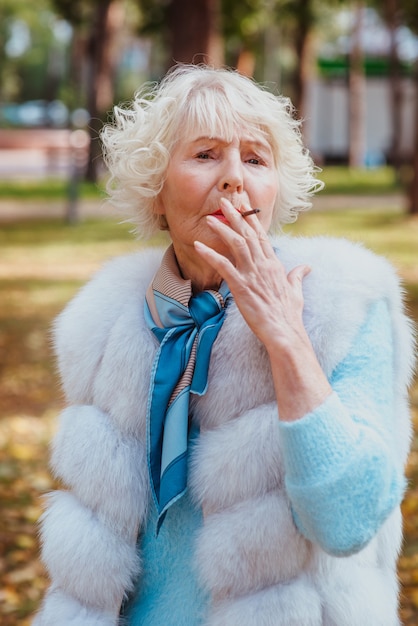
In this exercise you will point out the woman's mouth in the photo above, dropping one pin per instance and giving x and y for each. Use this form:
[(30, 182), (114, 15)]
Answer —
[(220, 216)]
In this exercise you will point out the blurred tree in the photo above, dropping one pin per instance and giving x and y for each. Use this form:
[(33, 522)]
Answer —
[(392, 16), (410, 13), (251, 31), (410, 16), (255, 29), (195, 32), (299, 18), (299, 21), (238, 30), (28, 45), (190, 29), (356, 91), (96, 25), (413, 191), (244, 24)]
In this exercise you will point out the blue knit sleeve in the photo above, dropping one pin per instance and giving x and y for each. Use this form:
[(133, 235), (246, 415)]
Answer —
[(342, 475)]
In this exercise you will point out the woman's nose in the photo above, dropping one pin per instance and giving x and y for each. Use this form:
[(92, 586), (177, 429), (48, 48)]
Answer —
[(232, 178)]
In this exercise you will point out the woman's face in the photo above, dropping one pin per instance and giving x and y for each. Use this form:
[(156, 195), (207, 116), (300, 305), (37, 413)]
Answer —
[(202, 170)]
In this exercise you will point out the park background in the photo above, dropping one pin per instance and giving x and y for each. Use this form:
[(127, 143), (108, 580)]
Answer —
[(351, 69)]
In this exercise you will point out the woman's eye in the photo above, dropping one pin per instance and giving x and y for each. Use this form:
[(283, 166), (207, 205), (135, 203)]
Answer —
[(203, 155), (254, 161)]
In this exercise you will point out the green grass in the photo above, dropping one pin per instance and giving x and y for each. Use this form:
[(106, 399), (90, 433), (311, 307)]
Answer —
[(346, 180), (47, 232), (389, 233), (46, 189)]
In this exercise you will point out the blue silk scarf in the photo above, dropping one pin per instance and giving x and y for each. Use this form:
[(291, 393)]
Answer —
[(186, 326)]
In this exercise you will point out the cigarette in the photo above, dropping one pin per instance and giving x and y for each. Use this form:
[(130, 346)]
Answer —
[(252, 212)]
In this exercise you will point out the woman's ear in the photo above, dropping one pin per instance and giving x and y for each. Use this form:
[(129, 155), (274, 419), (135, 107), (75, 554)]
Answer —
[(159, 207)]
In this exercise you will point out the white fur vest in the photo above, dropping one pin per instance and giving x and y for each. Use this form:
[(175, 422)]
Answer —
[(259, 569)]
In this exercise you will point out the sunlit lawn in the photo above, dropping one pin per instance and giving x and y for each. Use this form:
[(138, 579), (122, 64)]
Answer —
[(346, 180), (42, 264)]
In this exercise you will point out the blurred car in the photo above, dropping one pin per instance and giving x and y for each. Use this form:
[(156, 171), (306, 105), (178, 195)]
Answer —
[(35, 113)]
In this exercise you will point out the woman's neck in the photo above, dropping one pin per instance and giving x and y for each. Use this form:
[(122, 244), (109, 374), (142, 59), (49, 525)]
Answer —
[(201, 275)]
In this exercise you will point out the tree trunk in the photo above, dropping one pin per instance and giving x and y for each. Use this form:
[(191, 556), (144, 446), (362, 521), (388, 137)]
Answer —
[(194, 32), (391, 9), (77, 67), (303, 40), (102, 57), (356, 93), (413, 191)]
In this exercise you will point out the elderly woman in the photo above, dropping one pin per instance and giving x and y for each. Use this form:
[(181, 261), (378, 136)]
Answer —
[(233, 449)]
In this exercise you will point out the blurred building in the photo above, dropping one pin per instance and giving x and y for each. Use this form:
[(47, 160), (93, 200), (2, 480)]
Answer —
[(327, 126)]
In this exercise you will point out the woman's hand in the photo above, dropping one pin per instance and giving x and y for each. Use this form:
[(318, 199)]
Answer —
[(271, 302)]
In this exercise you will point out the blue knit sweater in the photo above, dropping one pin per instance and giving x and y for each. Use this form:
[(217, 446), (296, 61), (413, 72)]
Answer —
[(337, 467)]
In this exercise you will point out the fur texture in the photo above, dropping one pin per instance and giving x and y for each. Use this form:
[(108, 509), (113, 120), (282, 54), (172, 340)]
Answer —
[(257, 567)]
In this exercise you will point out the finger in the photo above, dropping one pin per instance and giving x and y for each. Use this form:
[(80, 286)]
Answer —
[(297, 274), (257, 230), (245, 220), (252, 217), (249, 227), (236, 242), (220, 263)]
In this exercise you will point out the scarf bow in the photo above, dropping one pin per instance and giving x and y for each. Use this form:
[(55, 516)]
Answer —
[(186, 326)]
